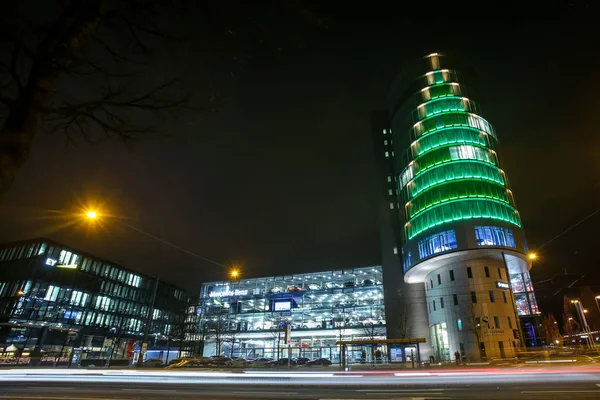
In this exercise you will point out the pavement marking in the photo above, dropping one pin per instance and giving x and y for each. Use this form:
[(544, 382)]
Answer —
[(598, 384), (64, 398), (264, 392), (149, 390), (400, 390), (51, 387), (559, 391)]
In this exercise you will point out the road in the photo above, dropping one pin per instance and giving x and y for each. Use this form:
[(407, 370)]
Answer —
[(575, 382)]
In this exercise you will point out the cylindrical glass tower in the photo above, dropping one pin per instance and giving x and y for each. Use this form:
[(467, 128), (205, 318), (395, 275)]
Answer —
[(461, 232)]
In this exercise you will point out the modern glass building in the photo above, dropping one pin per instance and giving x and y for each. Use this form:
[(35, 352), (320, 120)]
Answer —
[(457, 229), (249, 318), (58, 304)]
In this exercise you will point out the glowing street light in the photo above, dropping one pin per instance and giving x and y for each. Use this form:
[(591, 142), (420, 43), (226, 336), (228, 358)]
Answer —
[(532, 256), (234, 273)]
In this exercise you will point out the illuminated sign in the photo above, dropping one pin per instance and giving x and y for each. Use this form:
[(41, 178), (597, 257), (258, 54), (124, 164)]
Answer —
[(228, 293), (68, 266), (282, 305), (502, 285), (54, 263)]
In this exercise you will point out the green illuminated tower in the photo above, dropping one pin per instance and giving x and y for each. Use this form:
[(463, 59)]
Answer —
[(457, 226)]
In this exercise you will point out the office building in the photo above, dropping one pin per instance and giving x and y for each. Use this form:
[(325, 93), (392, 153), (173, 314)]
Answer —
[(249, 317), (58, 304), (453, 232)]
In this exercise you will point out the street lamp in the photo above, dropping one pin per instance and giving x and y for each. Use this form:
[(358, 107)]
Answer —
[(532, 256), (586, 329), (91, 214), (234, 273)]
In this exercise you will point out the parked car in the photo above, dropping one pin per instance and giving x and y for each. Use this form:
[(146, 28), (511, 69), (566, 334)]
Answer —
[(153, 363), (319, 361), (237, 363), (261, 362), (368, 282), (282, 362), (314, 286), (276, 290), (331, 285), (302, 360)]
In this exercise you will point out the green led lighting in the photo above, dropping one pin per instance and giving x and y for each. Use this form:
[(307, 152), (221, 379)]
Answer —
[(438, 157), (445, 179), (452, 118), (450, 136), (427, 207), (461, 210), (440, 90), (441, 105), (455, 191)]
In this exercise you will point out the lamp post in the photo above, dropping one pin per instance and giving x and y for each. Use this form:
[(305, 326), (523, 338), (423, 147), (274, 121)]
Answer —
[(581, 312), (94, 216)]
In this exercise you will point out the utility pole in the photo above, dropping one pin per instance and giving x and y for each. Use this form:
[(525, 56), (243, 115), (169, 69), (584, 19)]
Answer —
[(148, 323), (584, 323)]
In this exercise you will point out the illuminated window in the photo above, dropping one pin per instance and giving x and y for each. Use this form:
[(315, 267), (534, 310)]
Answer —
[(494, 236), (437, 243), (467, 152), (387, 153), (406, 176), (52, 293), (407, 261)]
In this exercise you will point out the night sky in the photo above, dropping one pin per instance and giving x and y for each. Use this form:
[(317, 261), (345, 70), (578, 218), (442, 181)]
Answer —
[(281, 178)]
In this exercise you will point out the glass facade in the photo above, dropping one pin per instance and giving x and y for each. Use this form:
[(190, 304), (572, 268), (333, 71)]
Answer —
[(48, 286), (494, 236), (437, 243), (524, 295), (249, 317)]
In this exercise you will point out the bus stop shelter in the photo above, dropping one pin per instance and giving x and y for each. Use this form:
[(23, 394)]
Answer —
[(380, 351)]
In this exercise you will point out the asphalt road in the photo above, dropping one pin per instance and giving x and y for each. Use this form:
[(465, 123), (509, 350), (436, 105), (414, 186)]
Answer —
[(541, 383)]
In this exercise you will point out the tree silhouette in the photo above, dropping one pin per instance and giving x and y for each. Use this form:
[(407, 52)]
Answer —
[(94, 69)]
